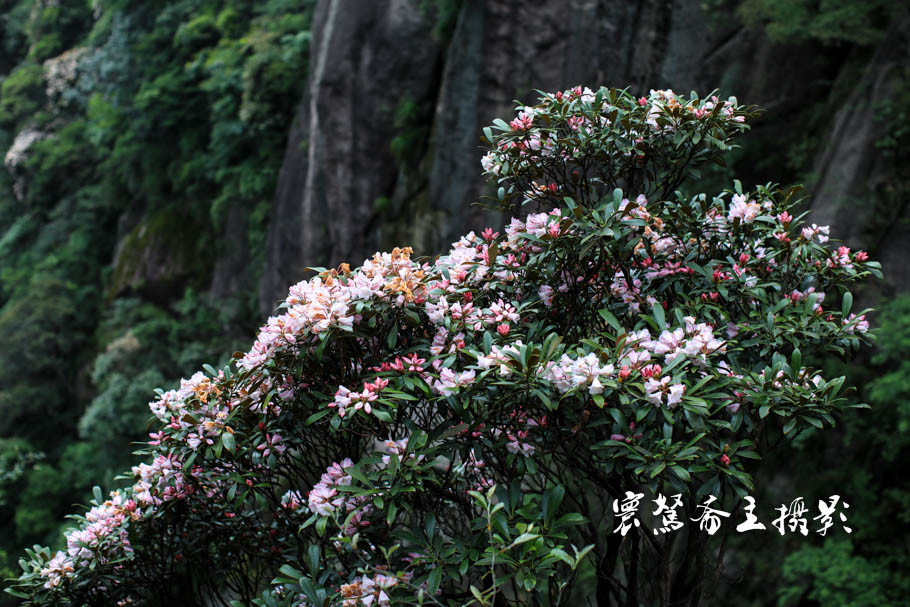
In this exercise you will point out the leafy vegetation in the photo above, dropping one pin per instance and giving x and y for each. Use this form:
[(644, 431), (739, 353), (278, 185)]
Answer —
[(148, 124), (516, 371), (870, 568), (143, 142), (832, 21)]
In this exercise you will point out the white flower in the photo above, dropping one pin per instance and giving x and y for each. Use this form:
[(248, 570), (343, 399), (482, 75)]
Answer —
[(545, 292), (654, 390), (675, 395), (449, 383), (747, 211), (816, 232)]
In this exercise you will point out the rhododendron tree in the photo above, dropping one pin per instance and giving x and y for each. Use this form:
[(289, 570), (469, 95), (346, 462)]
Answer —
[(458, 430)]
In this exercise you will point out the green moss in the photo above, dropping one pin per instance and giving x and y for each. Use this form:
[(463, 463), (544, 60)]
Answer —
[(382, 205), (41, 333), (410, 124), (833, 576), (13, 39), (161, 253), (199, 32), (859, 22), (54, 27), (231, 23), (56, 162), (181, 115), (21, 94), (446, 16)]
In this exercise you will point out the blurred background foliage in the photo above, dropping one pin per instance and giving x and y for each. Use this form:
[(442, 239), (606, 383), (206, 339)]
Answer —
[(143, 143), (151, 123)]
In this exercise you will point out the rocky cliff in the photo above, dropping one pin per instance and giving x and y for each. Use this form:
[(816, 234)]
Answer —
[(346, 191)]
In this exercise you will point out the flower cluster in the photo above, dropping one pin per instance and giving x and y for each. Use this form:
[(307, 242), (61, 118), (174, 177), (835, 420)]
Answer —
[(345, 398), (563, 128), (585, 372), (327, 498), (695, 340), (368, 591), (102, 539), (606, 335), (328, 302)]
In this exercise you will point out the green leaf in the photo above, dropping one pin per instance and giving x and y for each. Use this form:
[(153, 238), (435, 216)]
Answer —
[(477, 595), (658, 311), (681, 472), (580, 554), (788, 427), (524, 537), (572, 518), (357, 474), (434, 580), (390, 515), (289, 571), (611, 320), (846, 304), (317, 416), (313, 561), (393, 466), (391, 339), (227, 438), (562, 556), (709, 487), (310, 591)]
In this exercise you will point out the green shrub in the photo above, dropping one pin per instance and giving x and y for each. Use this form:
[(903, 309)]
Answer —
[(21, 94)]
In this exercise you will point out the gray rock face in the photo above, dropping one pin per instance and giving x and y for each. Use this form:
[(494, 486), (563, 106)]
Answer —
[(367, 57), (157, 257), (857, 187), (342, 193)]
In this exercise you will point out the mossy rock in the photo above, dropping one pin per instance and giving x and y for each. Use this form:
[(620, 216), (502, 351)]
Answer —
[(21, 94), (161, 256)]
